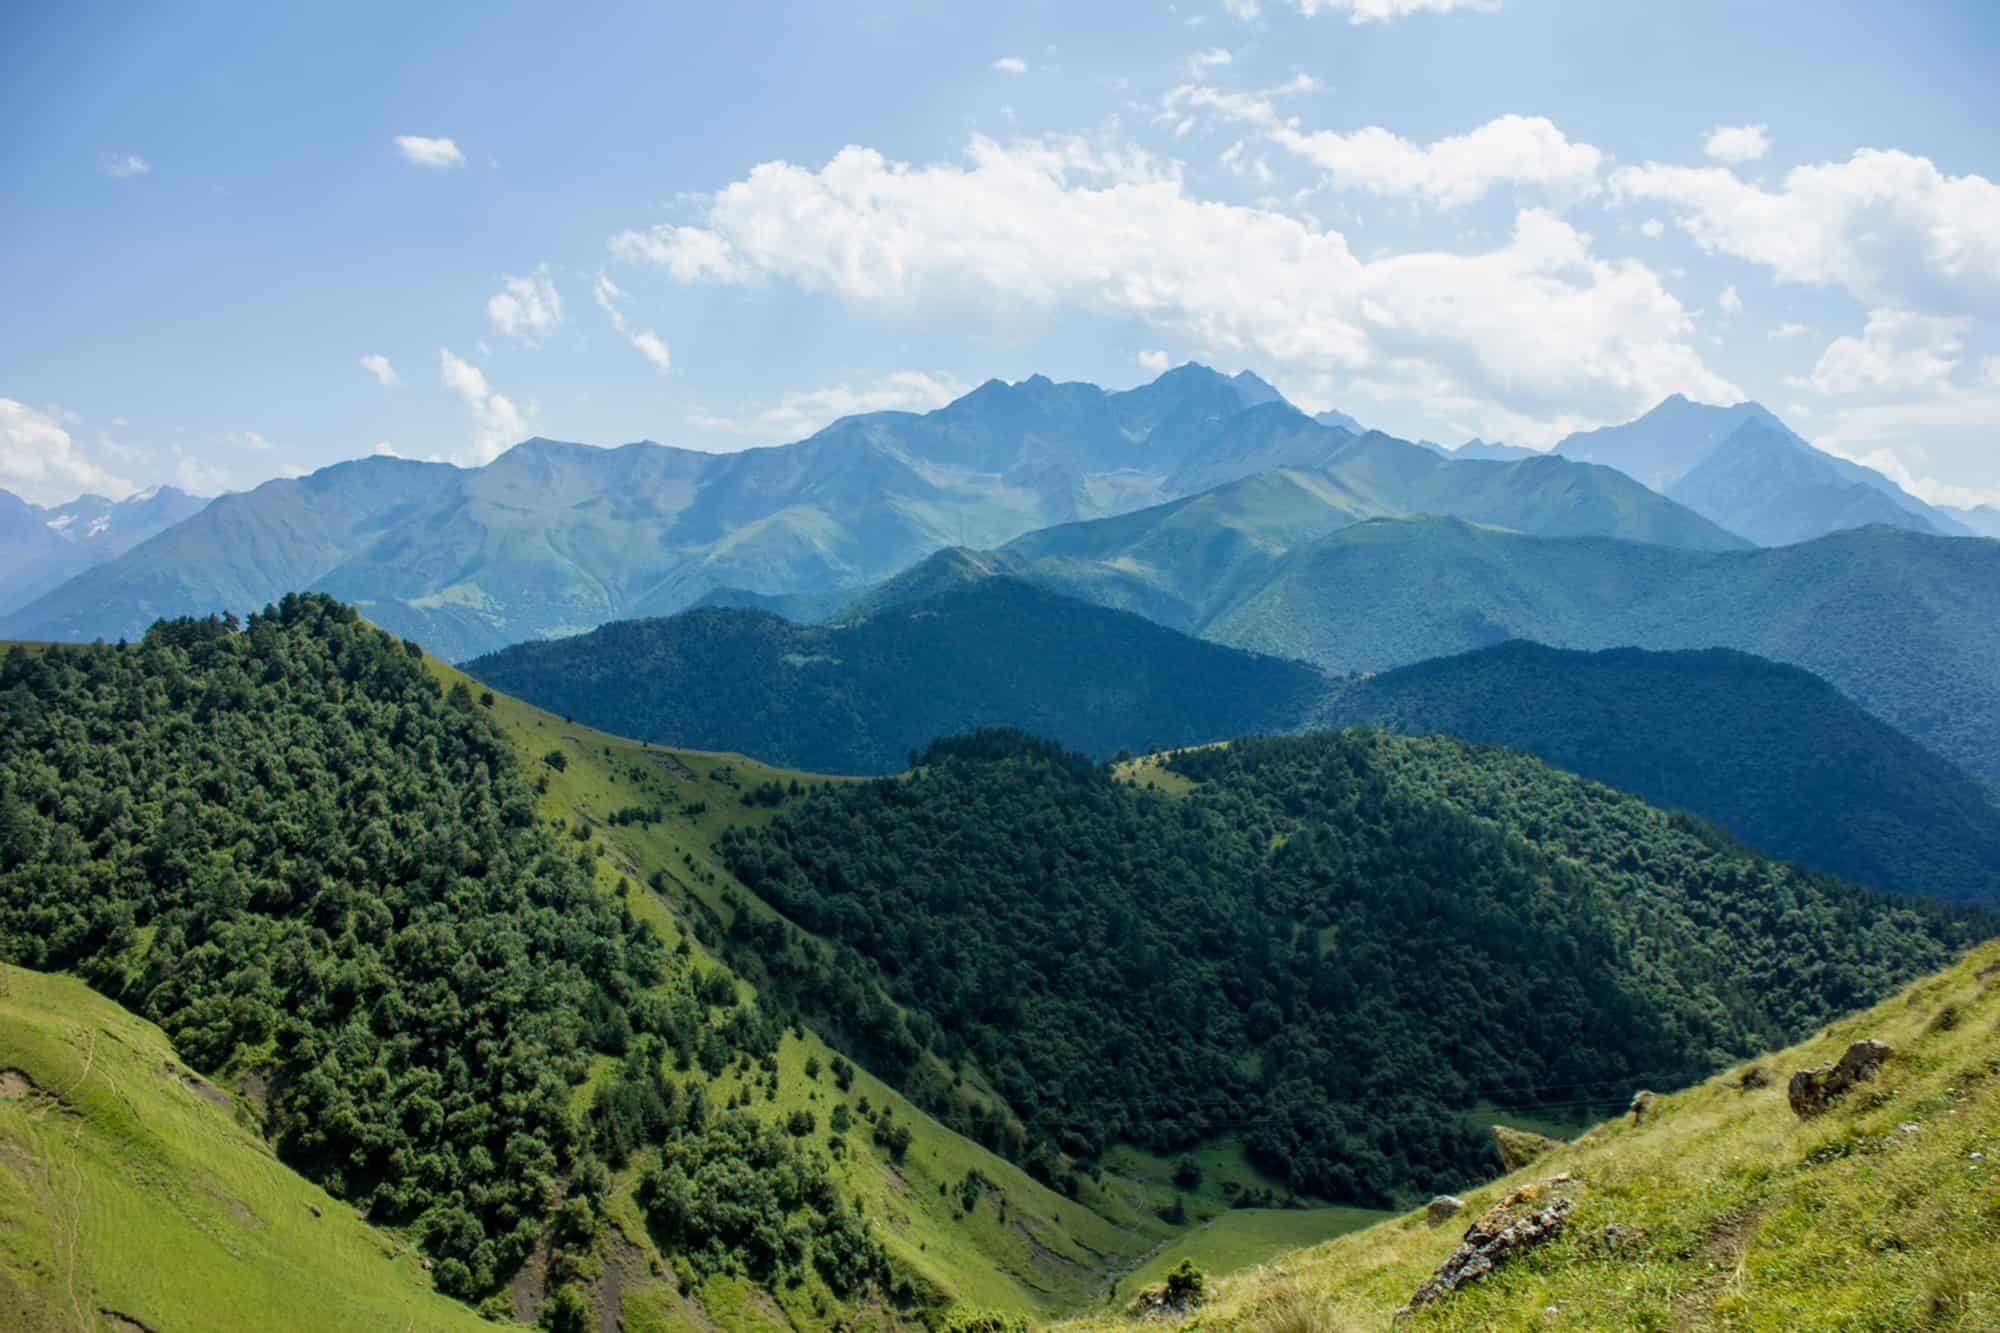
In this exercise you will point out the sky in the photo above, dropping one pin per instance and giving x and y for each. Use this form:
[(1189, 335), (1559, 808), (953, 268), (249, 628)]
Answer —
[(246, 241)]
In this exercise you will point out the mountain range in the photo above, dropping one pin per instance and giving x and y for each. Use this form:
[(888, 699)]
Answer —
[(43, 547), (554, 538), (1746, 470)]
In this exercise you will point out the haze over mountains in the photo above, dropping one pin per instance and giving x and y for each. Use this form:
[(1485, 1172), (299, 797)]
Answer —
[(41, 547), (555, 538)]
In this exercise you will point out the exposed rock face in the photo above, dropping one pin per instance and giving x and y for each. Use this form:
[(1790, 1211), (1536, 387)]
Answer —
[(1521, 1221), (1813, 1091), (1518, 1147), (1442, 1207)]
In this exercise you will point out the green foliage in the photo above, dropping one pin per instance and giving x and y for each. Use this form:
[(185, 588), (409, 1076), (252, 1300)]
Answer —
[(1328, 945), (1773, 752), (1185, 1285), (282, 844), (734, 1194), (859, 697)]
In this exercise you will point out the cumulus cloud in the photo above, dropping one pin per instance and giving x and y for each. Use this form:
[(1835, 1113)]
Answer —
[(1652, 229), (1243, 11), (526, 308), (425, 152), (249, 441), (41, 464), (124, 166), (1730, 301), (1787, 331), (1453, 172), (1531, 338), (1887, 226), (1011, 65), (201, 476), (378, 366), (1209, 59), (497, 424), (1897, 352), (801, 413), (1736, 144), (1381, 11), (650, 344), (1153, 359)]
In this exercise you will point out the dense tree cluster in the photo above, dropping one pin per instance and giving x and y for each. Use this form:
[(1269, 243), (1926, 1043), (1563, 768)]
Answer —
[(287, 846), (1330, 946)]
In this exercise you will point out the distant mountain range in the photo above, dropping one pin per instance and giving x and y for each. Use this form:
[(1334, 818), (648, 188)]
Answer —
[(42, 547), (553, 539), (1773, 753), (861, 696), (1746, 470)]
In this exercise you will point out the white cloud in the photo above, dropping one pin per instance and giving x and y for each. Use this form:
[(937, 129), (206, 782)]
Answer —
[(1787, 331), (1989, 372), (1153, 359), (292, 471), (650, 344), (1917, 443), (526, 308), (41, 464), (438, 153), (1526, 340), (1209, 59), (249, 441), (1011, 65), (384, 449), (1652, 229), (124, 166), (799, 414), (1897, 352), (1243, 11), (497, 424), (200, 476), (1450, 173), (378, 366), (1730, 301), (1889, 227), (1737, 143), (1381, 11)]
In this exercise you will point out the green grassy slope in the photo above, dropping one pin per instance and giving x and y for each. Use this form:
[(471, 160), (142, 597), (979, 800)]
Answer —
[(1773, 753), (1883, 1213), (132, 1191)]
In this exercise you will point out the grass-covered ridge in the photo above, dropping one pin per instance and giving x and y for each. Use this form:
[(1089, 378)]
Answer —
[(1884, 1213)]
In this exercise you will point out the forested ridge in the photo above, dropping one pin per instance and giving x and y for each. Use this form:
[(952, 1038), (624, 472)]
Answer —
[(861, 696), (1330, 945), (1772, 752), (292, 850)]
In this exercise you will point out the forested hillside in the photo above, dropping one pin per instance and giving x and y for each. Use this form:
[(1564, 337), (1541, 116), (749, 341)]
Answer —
[(324, 876), (1906, 625), (860, 697), (1330, 944), (1774, 753)]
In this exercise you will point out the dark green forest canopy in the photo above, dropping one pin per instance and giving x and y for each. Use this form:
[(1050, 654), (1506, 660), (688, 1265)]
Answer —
[(1774, 753), (861, 697), (291, 850), (1331, 945)]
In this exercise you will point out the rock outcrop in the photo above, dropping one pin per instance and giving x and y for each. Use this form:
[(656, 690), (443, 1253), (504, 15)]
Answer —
[(1518, 1147), (1524, 1219), (1443, 1207), (1813, 1091)]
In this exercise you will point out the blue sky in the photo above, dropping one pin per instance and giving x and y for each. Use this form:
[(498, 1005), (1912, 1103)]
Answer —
[(241, 241)]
